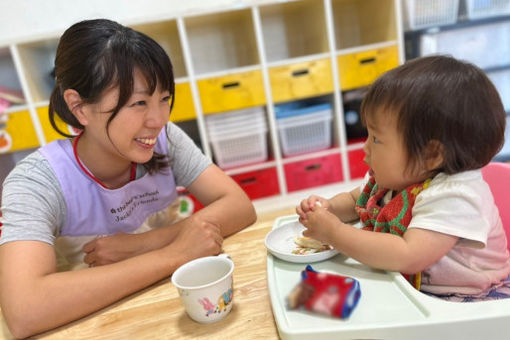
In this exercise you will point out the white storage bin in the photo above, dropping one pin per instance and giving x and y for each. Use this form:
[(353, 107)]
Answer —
[(231, 150), (304, 129), (501, 80), (484, 45), (427, 13), (238, 137), (222, 122), (477, 9)]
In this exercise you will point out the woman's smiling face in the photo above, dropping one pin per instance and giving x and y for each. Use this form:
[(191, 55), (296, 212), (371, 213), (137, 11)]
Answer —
[(132, 134)]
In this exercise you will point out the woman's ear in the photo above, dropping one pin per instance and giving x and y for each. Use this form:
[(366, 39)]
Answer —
[(74, 104), (434, 155)]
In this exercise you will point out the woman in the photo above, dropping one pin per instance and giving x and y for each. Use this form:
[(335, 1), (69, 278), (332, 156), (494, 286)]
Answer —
[(93, 197)]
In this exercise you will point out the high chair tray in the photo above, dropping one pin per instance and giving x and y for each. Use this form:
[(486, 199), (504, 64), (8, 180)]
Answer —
[(389, 307)]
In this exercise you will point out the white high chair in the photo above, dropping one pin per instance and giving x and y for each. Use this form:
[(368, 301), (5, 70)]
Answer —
[(389, 307)]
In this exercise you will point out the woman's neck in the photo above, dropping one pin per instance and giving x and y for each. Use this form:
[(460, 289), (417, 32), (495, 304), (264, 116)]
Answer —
[(110, 171)]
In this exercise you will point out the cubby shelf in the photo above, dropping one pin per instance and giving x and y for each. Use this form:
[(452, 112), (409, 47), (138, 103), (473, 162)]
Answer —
[(476, 31), (258, 55)]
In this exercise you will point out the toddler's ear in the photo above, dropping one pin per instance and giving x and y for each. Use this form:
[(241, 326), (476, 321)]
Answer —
[(434, 155), (74, 104)]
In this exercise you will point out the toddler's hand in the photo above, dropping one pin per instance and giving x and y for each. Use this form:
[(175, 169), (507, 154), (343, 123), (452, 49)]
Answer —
[(310, 204), (319, 224)]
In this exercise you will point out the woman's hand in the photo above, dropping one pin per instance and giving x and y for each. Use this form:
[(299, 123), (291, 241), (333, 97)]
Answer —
[(309, 204), (197, 239), (113, 248), (195, 232)]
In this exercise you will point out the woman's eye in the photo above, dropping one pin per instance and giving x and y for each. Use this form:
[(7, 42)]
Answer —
[(139, 103), (166, 99), (375, 140)]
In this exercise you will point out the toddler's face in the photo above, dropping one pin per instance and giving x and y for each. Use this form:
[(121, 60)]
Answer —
[(385, 153)]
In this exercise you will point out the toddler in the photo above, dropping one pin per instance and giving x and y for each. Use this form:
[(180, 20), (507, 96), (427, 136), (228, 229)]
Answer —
[(424, 207)]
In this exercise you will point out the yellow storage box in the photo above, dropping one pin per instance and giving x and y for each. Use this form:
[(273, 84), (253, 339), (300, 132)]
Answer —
[(19, 133), (183, 104), (362, 68), (232, 92), (301, 80)]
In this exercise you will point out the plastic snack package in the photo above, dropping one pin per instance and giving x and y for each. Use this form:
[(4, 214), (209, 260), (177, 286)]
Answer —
[(325, 293)]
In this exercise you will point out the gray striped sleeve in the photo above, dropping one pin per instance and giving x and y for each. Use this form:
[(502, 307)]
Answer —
[(33, 206)]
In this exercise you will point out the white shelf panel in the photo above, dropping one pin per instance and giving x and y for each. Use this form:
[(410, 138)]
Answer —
[(38, 60), (8, 76), (363, 22), (222, 41), (166, 34), (293, 29)]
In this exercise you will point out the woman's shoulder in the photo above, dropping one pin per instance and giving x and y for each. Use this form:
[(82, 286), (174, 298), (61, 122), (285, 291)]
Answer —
[(33, 168), (177, 140), (187, 159), (174, 131)]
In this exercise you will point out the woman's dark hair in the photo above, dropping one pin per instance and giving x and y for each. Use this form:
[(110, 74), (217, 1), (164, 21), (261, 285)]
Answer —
[(95, 55), (439, 98)]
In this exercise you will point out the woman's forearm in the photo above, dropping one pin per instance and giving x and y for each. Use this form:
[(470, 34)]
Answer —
[(33, 302), (35, 298), (231, 213)]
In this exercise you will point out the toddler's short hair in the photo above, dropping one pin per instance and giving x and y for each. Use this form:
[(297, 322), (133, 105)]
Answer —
[(441, 98)]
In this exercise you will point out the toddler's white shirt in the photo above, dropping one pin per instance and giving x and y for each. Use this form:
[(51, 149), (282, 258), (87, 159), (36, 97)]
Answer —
[(462, 205)]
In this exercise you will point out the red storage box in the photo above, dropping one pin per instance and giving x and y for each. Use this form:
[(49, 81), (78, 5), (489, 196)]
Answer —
[(258, 183), (357, 167), (313, 172)]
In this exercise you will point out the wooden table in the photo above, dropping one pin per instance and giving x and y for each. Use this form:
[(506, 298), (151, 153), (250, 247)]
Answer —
[(157, 313)]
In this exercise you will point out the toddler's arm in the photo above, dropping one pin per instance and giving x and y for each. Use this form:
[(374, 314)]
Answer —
[(410, 254), (342, 205)]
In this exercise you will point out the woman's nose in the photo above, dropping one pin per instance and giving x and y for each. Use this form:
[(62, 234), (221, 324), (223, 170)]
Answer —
[(158, 116)]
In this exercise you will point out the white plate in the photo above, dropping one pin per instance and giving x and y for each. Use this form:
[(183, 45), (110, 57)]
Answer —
[(280, 242)]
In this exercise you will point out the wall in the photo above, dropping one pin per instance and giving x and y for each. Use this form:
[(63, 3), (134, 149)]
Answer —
[(24, 20)]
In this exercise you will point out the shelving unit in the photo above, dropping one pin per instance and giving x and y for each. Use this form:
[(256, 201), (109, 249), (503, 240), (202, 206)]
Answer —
[(477, 31), (256, 55)]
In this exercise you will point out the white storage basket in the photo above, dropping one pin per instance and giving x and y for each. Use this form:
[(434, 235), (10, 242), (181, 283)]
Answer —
[(243, 148), (486, 45), (427, 13), (238, 137), (477, 9), (234, 119), (305, 132)]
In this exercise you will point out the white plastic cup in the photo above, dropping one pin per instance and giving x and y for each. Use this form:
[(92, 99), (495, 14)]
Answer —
[(205, 286)]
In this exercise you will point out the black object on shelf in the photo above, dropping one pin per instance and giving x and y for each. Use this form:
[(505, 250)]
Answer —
[(352, 118)]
